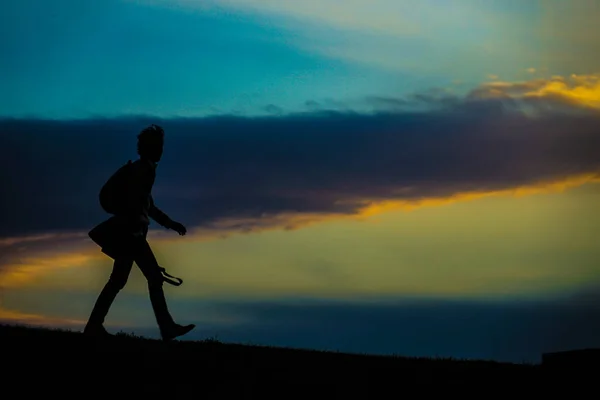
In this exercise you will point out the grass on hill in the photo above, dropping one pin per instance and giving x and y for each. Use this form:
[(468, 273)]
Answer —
[(52, 359)]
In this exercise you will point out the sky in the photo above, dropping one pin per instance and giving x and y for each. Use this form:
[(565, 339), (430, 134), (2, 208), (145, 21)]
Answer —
[(387, 176)]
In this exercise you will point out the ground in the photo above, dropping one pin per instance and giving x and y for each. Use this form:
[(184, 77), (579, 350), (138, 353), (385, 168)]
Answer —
[(48, 361)]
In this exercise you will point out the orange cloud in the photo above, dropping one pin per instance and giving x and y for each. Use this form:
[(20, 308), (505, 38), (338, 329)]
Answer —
[(542, 187), (43, 269), (11, 241), (576, 90), (26, 271), (291, 221), (20, 318)]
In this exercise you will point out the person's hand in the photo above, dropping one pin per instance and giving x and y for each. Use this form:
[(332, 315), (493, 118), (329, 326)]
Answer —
[(178, 227)]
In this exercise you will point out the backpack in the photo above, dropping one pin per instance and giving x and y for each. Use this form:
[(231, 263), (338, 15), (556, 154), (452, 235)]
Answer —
[(112, 195)]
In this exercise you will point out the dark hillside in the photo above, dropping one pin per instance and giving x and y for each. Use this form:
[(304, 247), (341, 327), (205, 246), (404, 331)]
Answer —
[(52, 361)]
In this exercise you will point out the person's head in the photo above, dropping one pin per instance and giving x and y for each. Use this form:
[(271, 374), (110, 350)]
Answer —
[(150, 143)]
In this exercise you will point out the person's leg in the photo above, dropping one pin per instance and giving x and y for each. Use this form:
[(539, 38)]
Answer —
[(116, 282), (147, 263)]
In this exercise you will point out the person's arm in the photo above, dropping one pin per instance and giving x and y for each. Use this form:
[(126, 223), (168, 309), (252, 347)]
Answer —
[(158, 215), (163, 219)]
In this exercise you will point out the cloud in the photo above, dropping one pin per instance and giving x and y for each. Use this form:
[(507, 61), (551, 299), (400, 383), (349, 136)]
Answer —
[(506, 331), (16, 317), (229, 172), (227, 175), (12, 241), (26, 271), (574, 90)]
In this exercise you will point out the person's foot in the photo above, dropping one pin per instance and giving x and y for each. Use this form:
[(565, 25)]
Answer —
[(175, 330), (96, 331)]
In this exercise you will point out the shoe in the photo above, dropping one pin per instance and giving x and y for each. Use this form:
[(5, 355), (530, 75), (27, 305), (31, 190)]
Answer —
[(96, 331), (174, 331)]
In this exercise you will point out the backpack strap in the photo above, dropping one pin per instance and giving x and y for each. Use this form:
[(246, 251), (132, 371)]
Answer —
[(167, 277)]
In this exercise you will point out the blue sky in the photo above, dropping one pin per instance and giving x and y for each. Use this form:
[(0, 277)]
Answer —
[(115, 58), (70, 59)]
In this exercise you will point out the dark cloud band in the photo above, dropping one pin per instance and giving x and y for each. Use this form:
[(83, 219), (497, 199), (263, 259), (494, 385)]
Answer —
[(228, 167)]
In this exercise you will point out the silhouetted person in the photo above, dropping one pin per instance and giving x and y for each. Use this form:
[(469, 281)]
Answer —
[(123, 236)]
